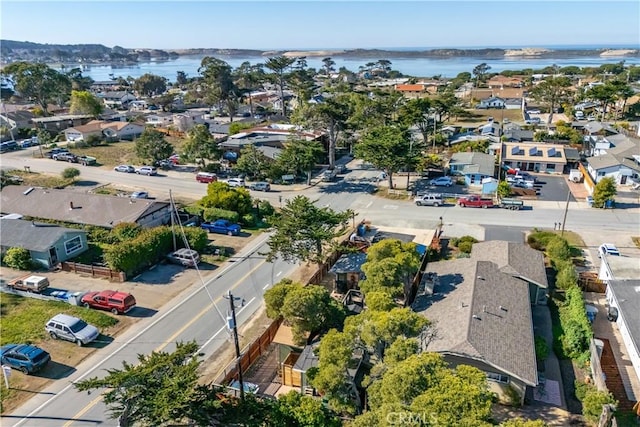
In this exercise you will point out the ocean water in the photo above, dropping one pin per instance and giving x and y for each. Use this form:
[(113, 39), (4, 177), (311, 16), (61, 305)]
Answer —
[(417, 67)]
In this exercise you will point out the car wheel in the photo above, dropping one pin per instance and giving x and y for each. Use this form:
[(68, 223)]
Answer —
[(485, 206), (463, 205), (436, 204), (79, 343), (53, 335), (418, 204), (86, 305), (114, 310), (229, 233), (24, 370)]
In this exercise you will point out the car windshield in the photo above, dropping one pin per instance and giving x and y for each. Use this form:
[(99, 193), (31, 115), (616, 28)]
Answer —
[(39, 356), (78, 326)]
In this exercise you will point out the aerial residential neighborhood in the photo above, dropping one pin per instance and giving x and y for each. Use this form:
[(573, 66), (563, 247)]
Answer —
[(276, 244)]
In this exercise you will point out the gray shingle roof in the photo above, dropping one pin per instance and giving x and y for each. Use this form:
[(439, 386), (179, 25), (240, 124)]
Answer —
[(516, 259), (476, 162), (482, 313), (91, 209), (349, 263), (32, 236)]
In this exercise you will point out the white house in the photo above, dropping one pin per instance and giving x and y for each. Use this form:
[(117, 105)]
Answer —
[(110, 130), (159, 119), (117, 99), (493, 102), (185, 121), (616, 156)]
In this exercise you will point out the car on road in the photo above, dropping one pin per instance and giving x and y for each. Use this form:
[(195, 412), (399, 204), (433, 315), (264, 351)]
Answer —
[(55, 151), (139, 195), (147, 170), (70, 328), (125, 168), (221, 226), (608, 249), (260, 186), (429, 200), (24, 357), (206, 177), (443, 181), (114, 301), (235, 182), (65, 156)]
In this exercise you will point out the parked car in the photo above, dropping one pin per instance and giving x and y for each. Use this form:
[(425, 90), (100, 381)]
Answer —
[(24, 357), (221, 226), (29, 283), (429, 200), (260, 186), (522, 184), (206, 177), (55, 151), (30, 142), (185, 257), (147, 170), (534, 111), (65, 156), (114, 301), (235, 182), (475, 202), (443, 181), (125, 168), (70, 328), (139, 195), (608, 249), (87, 160), (329, 175)]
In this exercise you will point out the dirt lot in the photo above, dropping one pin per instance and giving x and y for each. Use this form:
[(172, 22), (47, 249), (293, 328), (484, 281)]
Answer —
[(152, 289)]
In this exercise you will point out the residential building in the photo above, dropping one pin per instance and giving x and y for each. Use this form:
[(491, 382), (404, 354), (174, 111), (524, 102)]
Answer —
[(188, 119), (348, 271), (501, 82), (534, 157), (482, 318), (159, 119), (60, 122), (492, 102), (111, 130), (82, 208), (17, 119), (615, 156), (48, 244), (117, 100), (412, 90), (474, 167)]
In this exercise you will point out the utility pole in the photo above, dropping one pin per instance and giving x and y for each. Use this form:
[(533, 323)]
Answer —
[(231, 324), (566, 209)]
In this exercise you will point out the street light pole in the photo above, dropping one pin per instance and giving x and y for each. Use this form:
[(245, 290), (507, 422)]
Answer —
[(231, 323), (566, 209)]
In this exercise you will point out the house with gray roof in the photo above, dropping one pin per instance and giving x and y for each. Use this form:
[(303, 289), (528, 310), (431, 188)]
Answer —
[(82, 208), (482, 318), (473, 166), (518, 260), (624, 297), (48, 244), (618, 157)]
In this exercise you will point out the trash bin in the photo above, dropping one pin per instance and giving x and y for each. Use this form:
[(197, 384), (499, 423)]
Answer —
[(609, 204)]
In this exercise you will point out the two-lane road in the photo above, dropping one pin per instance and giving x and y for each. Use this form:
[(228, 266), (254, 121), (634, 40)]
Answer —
[(201, 316)]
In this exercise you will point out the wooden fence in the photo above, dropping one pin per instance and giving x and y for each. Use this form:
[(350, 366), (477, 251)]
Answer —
[(250, 354), (589, 282), (94, 271)]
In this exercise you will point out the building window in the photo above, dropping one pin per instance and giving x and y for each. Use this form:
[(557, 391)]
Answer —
[(493, 376), (551, 166), (73, 245)]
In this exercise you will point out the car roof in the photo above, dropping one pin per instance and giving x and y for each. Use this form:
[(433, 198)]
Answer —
[(64, 318), (26, 349)]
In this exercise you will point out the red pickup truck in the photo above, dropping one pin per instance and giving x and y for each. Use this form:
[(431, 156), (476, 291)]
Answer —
[(475, 202)]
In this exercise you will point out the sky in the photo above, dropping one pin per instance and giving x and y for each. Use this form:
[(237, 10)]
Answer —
[(315, 24)]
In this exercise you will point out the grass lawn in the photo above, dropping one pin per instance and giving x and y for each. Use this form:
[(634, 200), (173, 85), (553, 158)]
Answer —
[(23, 320), (35, 179)]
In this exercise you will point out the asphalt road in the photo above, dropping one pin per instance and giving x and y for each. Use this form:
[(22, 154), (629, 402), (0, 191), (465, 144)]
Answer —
[(195, 317), (201, 316)]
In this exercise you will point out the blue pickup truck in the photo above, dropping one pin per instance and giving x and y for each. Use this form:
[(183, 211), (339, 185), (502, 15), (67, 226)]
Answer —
[(221, 226)]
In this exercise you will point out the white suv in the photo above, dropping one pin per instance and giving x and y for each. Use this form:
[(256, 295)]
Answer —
[(235, 182), (608, 249), (146, 170), (65, 327)]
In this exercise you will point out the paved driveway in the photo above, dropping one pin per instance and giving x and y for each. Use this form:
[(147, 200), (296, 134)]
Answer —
[(553, 188)]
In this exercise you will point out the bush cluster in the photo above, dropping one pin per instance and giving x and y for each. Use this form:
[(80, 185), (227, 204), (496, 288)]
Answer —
[(592, 400)]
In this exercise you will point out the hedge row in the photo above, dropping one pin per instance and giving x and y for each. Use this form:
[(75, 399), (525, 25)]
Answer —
[(149, 247)]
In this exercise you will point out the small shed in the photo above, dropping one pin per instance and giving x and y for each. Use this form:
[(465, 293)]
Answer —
[(348, 271)]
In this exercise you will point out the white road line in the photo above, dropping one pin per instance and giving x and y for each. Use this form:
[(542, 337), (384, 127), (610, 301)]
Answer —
[(279, 273), (368, 205), (224, 327), (266, 286)]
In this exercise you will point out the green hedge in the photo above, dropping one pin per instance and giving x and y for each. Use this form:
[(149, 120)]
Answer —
[(576, 329), (212, 214)]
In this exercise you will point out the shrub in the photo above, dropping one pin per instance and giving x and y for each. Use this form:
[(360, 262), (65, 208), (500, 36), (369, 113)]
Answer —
[(465, 247), (558, 249), (126, 231), (249, 220), (539, 239), (212, 214), (18, 258), (576, 329), (567, 277), (70, 173), (457, 240), (542, 348), (593, 400), (196, 237)]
